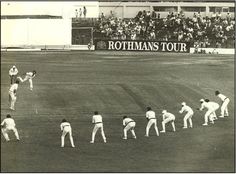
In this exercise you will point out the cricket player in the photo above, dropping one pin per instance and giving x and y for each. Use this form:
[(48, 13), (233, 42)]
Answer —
[(167, 117), (224, 107), (12, 94), (98, 124), (29, 76), (13, 73), (129, 124), (7, 125), (66, 129), (215, 107), (210, 112), (151, 117), (188, 115)]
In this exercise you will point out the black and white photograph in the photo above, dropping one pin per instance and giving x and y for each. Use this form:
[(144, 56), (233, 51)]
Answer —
[(134, 86)]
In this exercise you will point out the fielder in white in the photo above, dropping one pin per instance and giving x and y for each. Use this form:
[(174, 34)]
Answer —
[(167, 117), (210, 112), (129, 124), (13, 73), (98, 124), (188, 116), (151, 117), (7, 125), (215, 106), (29, 76), (224, 107), (12, 94), (66, 129)]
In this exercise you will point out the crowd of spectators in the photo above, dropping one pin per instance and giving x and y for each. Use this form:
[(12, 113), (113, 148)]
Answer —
[(213, 31)]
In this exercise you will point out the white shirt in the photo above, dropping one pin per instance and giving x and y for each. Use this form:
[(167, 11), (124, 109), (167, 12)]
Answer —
[(30, 75), (127, 121), (13, 71), (186, 109), (214, 105), (168, 115), (97, 119), (8, 122), (150, 114), (222, 97), (64, 124), (206, 105), (13, 87)]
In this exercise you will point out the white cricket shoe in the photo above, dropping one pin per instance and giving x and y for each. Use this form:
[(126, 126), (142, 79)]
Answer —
[(221, 116), (205, 124), (184, 127), (91, 142), (163, 131), (12, 108), (146, 135), (124, 138)]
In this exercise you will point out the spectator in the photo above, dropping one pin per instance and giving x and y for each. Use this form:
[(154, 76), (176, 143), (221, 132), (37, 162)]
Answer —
[(85, 12)]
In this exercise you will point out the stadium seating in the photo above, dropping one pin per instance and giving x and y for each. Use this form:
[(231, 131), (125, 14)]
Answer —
[(213, 31)]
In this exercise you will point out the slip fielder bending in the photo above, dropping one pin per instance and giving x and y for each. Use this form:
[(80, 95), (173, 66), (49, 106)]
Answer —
[(7, 125), (129, 124), (98, 124), (167, 117), (12, 94), (188, 116), (224, 107), (151, 117), (215, 107), (209, 113), (29, 76), (13, 73), (66, 129)]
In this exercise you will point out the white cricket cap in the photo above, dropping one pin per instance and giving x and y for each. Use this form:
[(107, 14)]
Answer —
[(202, 100), (183, 103), (164, 111), (13, 66)]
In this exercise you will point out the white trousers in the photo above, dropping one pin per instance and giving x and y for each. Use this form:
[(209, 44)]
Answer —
[(167, 120), (95, 129), (149, 124), (6, 130), (67, 130), (130, 126), (224, 107), (188, 117), (211, 115), (12, 99)]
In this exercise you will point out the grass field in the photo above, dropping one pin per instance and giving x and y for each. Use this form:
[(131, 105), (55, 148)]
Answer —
[(73, 85)]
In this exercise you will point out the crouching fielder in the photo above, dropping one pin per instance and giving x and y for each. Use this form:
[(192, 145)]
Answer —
[(98, 124), (29, 76), (224, 107), (188, 116), (7, 125), (209, 113), (66, 129), (129, 124), (215, 107), (151, 117), (167, 117)]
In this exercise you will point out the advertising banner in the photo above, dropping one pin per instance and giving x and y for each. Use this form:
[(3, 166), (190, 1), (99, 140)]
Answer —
[(141, 45)]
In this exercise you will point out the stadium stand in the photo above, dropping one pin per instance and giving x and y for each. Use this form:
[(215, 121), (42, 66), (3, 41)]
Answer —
[(213, 31)]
